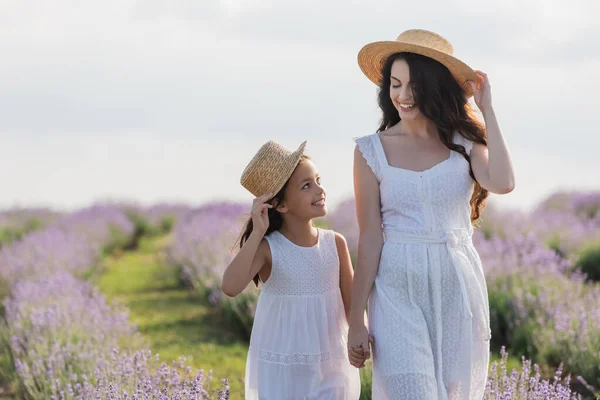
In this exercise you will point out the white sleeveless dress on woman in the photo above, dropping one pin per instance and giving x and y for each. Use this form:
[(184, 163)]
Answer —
[(428, 309), (298, 341)]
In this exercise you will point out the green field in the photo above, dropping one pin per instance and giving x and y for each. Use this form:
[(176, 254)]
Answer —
[(174, 322)]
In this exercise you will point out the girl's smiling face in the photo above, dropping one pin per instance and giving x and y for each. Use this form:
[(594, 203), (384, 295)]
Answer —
[(304, 195)]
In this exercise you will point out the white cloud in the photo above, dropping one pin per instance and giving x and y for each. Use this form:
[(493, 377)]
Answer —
[(199, 81)]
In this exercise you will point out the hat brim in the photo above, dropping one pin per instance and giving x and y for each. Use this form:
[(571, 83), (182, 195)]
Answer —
[(372, 57), (289, 168)]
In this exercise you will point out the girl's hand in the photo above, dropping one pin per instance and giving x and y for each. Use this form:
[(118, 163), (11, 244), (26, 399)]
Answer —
[(260, 214), (482, 91)]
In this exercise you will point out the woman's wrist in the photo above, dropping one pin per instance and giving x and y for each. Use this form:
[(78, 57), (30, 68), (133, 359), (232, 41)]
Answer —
[(357, 318), (488, 112)]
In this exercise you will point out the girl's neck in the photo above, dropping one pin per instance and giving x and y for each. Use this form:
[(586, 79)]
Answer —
[(301, 233)]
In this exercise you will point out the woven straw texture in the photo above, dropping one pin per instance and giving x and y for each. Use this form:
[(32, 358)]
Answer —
[(372, 56), (270, 168)]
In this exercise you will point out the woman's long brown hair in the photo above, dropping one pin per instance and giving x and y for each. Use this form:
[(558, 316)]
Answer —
[(441, 100)]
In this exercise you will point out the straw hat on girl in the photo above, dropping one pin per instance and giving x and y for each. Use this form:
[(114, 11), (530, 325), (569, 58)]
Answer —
[(270, 168)]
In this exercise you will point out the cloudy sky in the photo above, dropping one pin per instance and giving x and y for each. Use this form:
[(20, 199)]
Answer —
[(168, 100)]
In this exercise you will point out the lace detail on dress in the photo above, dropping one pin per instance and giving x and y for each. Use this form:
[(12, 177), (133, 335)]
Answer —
[(369, 153), (303, 271), (297, 358)]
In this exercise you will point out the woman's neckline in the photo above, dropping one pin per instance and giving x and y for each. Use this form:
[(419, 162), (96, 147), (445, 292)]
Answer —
[(406, 169)]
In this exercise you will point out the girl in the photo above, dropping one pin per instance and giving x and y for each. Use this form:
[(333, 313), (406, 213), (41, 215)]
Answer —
[(298, 341), (420, 185)]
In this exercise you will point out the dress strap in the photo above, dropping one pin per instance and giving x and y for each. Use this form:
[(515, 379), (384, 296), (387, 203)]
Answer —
[(370, 152), (381, 157), (466, 143)]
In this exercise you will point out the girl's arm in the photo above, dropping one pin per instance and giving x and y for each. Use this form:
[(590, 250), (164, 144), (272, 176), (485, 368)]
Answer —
[(251, 259), (492, 165), (370, 243), (254, 254), (346, 273)]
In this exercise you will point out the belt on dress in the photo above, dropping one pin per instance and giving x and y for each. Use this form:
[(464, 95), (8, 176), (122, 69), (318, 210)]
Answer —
[(454, 239)]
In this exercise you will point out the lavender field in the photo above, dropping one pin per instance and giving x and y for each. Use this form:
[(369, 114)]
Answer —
[(102, 302)]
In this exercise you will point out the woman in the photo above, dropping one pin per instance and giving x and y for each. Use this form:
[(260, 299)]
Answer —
[(420, 184)]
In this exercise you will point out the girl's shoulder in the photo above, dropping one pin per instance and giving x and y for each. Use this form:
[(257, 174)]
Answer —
[(264, 250), (339, 239)]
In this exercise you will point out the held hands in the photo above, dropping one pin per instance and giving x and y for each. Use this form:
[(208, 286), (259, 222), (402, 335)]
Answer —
[(359, 346), (260, 214), (482, 91)]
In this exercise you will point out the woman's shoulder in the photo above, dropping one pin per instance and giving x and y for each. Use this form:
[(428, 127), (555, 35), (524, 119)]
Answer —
[(367, 147), (365, 138)]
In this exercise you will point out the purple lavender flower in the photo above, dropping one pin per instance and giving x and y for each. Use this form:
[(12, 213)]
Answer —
[(521, 385), (60, 328), (17, 222), (203, 244), (522, 254), (106, 226), (156, 219), (43, 253), (139, 375)]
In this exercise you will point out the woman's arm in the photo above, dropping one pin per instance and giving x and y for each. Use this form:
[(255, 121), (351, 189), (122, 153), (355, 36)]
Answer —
[(492, 165), (346, 273), (370, 243)]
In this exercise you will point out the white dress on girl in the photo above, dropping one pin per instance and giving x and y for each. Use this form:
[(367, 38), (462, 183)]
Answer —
[(428, 309), (298, 342)]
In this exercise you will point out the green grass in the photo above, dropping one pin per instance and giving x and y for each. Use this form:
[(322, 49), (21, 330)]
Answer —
[(173, 321)]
